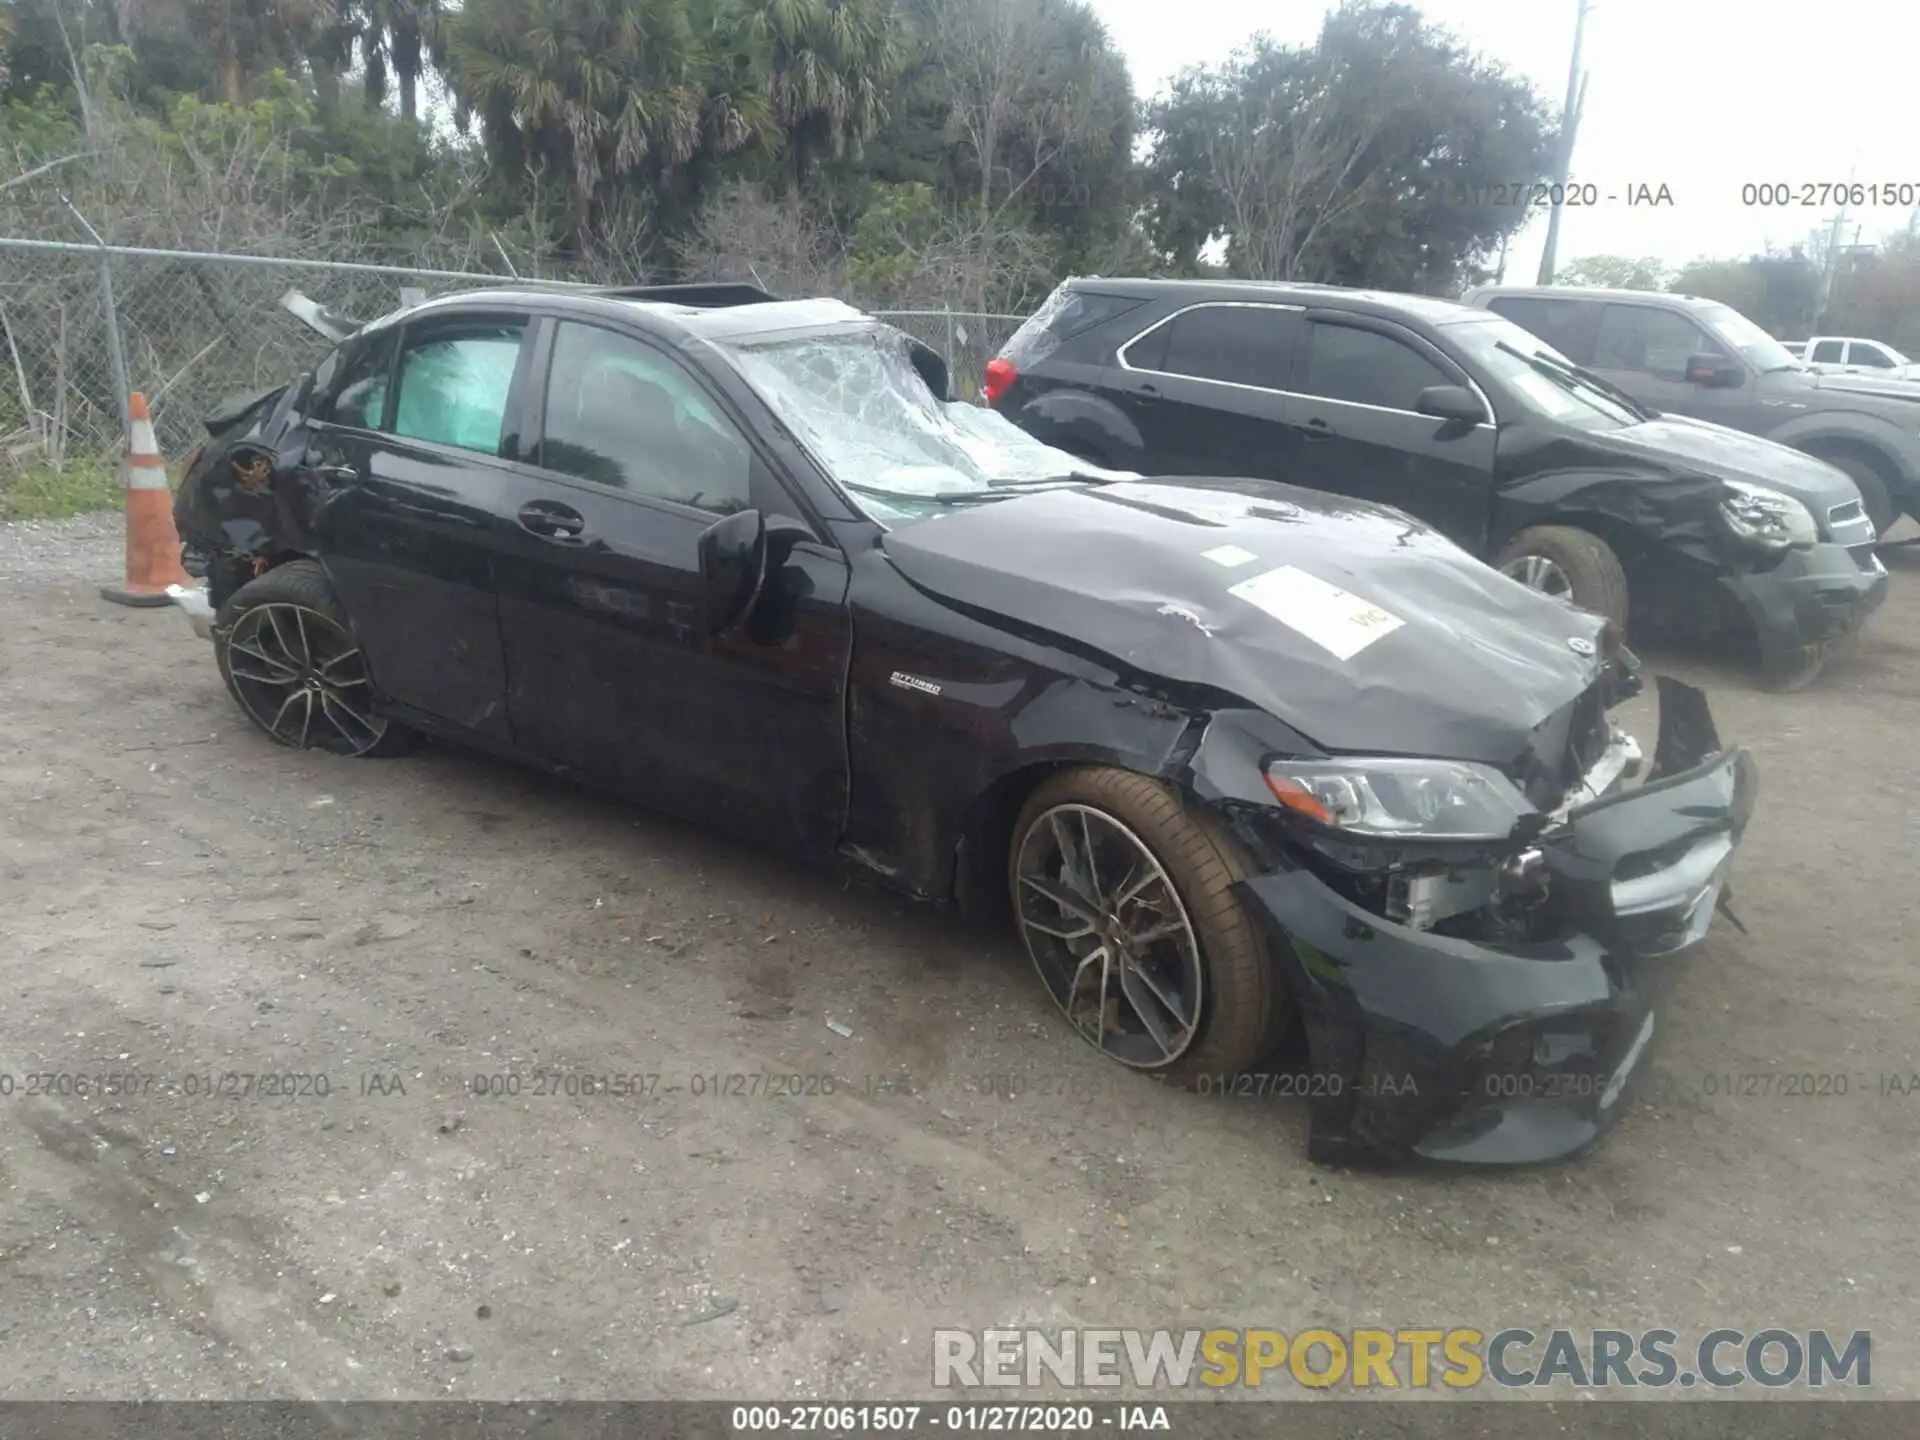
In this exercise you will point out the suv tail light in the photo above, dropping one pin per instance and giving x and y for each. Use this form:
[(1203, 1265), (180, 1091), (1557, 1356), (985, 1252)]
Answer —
[(1000, 375)]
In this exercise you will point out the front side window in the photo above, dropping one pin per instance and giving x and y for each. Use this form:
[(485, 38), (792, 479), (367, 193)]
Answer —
[(622, 414), (1241, 344), (454, 385), (360, 386), (1650, 342), (1364, 367), (1871, 356)]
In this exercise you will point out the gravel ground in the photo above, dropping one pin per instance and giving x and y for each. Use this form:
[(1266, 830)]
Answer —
[(182, 901)]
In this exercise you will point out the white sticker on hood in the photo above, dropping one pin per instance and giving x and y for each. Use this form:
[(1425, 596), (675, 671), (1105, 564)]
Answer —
[(1327, 615), (1230, 556)]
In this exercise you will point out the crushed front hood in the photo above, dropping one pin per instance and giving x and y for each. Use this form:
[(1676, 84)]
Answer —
[(1427, 652), (1728, 454)]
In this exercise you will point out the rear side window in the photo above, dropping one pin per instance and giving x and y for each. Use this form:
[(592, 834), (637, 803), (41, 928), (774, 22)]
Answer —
[(1241, 344), (454, 385), (1566, 325), (1068, 312), (1364, 367), (1827, 352)]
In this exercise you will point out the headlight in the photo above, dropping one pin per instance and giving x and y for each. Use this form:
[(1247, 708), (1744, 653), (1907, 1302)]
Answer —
[(1766, 517), (1394, 798)]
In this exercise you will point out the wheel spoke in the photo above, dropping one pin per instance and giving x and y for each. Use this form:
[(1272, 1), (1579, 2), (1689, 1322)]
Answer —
[(1073, 873), (257, 679), (1085, 929), (331, 701), (1149, 1005), (252, 652), (1093, 870), (278, 626), (306, 719), (1169, 925), (285, 706), (325, 670), (1067, 900)]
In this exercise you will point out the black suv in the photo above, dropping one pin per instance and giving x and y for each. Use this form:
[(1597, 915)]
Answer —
[(1468, 422)]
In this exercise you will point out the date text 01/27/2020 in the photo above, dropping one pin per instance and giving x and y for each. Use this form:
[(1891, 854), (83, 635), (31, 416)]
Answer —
[(1536, 194)]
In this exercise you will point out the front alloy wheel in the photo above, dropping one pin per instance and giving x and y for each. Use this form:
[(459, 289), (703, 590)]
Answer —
[(1110, 936), (1125, 899)]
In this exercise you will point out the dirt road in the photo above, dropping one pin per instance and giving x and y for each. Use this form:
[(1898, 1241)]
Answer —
[(182, 903)]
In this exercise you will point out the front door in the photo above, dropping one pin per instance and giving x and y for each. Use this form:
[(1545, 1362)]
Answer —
[(1354, 388), (609, 673), (408, 467), (1643, 349)]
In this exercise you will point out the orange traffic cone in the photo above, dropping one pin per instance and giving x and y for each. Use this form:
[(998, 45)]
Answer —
[(153, 545)]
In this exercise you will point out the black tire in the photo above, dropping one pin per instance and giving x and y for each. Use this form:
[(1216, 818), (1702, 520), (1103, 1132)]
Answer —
[(298, 662), (1591, 569), (1243, 1008), (1875, 494)]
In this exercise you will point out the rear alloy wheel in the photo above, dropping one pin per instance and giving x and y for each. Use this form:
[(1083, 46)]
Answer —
[(1125, 901), (294, 668), (1571, 565)]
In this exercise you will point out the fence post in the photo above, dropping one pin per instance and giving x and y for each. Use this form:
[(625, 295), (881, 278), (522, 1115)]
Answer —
[(116, 354), (947, 310)]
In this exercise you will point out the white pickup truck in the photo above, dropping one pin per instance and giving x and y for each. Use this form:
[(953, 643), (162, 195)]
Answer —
[(1851, 355)]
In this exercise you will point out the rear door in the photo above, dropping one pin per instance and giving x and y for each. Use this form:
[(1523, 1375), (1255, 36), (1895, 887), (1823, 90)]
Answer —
[(1205, 387), (1644, 349), (410, 471), (1357, 431), (609, 672)]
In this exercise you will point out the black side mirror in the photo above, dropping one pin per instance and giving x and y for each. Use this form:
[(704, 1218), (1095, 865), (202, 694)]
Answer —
[(1451, 402), (1716, 372), (733, 568)]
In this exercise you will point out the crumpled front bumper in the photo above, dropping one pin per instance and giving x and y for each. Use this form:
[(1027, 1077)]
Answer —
[(1426, 1046), (1808, 606)]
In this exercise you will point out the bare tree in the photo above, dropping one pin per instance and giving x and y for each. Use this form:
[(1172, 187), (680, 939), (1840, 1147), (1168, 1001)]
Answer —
[(1017, 82), (747, 233), (1289, 169)]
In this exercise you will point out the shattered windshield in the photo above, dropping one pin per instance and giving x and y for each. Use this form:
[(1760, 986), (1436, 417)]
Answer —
[(857, 403)]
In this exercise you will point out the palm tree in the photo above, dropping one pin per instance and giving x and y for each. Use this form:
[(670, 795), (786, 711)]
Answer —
[(829, 66), (602, 91), (398, 39)]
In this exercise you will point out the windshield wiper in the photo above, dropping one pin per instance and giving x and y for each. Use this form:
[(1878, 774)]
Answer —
[(1072, 477), (918, 497), (1572, 378)]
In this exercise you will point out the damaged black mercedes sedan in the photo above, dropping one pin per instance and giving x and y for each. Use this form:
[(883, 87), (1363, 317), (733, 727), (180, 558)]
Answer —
[(1245, 763)]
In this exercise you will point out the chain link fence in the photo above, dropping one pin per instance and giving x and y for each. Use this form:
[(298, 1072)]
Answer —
[(83, 325)]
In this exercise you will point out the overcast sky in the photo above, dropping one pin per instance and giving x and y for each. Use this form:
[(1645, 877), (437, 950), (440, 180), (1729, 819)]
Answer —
[(1701, 95)]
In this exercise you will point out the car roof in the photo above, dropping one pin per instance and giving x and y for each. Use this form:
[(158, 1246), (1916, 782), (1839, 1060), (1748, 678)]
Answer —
[(1590, 292), (1194, 292), (724, 321)]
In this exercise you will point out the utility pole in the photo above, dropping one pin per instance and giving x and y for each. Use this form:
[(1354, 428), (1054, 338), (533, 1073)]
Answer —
[(1569, 126), (1830, 263)]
